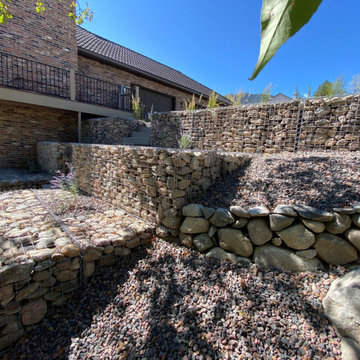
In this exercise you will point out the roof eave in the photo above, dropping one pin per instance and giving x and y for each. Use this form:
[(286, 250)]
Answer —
[(150, 76)]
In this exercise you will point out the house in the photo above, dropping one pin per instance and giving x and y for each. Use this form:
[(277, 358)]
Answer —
[(54, 74)]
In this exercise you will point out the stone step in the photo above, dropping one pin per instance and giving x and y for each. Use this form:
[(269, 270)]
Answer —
[(136, 140)]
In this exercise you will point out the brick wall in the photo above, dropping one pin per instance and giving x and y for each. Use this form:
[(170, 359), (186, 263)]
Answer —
[(93, 68), (22, 126), (48, 38), (324, 124)]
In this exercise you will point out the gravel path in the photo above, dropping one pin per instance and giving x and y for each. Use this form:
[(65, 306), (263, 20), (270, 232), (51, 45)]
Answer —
[(169, 302), (320, 179)]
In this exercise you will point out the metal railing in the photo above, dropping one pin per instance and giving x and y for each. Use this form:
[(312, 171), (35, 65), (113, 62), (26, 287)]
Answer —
[(95, 91), (29, 75)]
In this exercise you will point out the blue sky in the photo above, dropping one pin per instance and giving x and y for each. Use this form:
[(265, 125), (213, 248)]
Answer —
[(217, 43)]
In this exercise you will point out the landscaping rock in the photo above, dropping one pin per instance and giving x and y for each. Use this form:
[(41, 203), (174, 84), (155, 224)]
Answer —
[(15, 272), (297, 237), (33, 312), (193, 210), (240, 223), (203, 242), (172, 222), (221, 254), (276, 241), (208, 212), (186, 240), (222, 217), (353, 236), (307, 254), (70, 250), (311, 213), (239, 212), (339, 224), (285, 210), (356, 220), (259, 231), (334, 250), (235, 241), (279, 222), (259, 211), (315, 226), (284, 259), (40, 255), (195, 225), (11, 338), (342, 305)]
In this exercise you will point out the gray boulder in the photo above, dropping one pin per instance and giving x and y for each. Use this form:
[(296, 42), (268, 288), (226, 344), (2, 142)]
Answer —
[(221, 254), (342, 306), (286, 210), (239, 211), (203, 242), (297, 237), (208, 212), (240, 223), (259, 231), (334, 250), (353, 235), (193, 225), (284, 259), (222, 217), (193, 210), (315, 226), (311, 213), (356, 219), (259, 211), (279, 222), (234, 240), (339, 224)]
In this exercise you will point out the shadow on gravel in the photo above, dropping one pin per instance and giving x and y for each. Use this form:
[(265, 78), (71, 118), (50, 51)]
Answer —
[(173, 326), (51, 339), (319, 190), (293, 181)]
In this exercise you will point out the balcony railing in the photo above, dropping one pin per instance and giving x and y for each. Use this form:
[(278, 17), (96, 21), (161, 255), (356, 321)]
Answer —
[(95, 91), (29, 75)]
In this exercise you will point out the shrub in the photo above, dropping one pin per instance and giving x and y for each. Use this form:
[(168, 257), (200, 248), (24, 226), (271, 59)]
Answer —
[(138, 108)]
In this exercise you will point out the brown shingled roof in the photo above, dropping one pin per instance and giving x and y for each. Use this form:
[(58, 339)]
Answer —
[(103, 49)]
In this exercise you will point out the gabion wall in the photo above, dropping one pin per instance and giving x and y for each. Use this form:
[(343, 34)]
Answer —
[(315, 124)]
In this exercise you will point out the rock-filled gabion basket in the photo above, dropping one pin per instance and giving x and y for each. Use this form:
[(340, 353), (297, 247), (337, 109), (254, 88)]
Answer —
[(292, 238)]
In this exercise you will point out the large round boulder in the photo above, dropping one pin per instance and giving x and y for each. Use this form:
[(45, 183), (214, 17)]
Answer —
[(284, 259), (234, 240), (194, 225), (334, 250), (259, 231), (342, 305), (297, 237)]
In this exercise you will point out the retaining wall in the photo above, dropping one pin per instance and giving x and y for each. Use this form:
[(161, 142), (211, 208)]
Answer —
[(326, 124), (293, 238), (151, 183), (41, 264), (108, 131)]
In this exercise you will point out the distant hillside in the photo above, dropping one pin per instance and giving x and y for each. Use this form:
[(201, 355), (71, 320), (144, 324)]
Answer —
[(248, 98)]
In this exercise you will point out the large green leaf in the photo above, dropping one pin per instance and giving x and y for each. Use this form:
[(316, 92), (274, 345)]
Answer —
[(281, 19)]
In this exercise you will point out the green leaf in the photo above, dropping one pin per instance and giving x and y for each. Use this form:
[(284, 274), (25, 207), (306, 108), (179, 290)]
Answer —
[(281, 19)]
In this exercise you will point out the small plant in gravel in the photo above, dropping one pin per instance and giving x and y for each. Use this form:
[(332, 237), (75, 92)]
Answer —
[(68, 184)]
